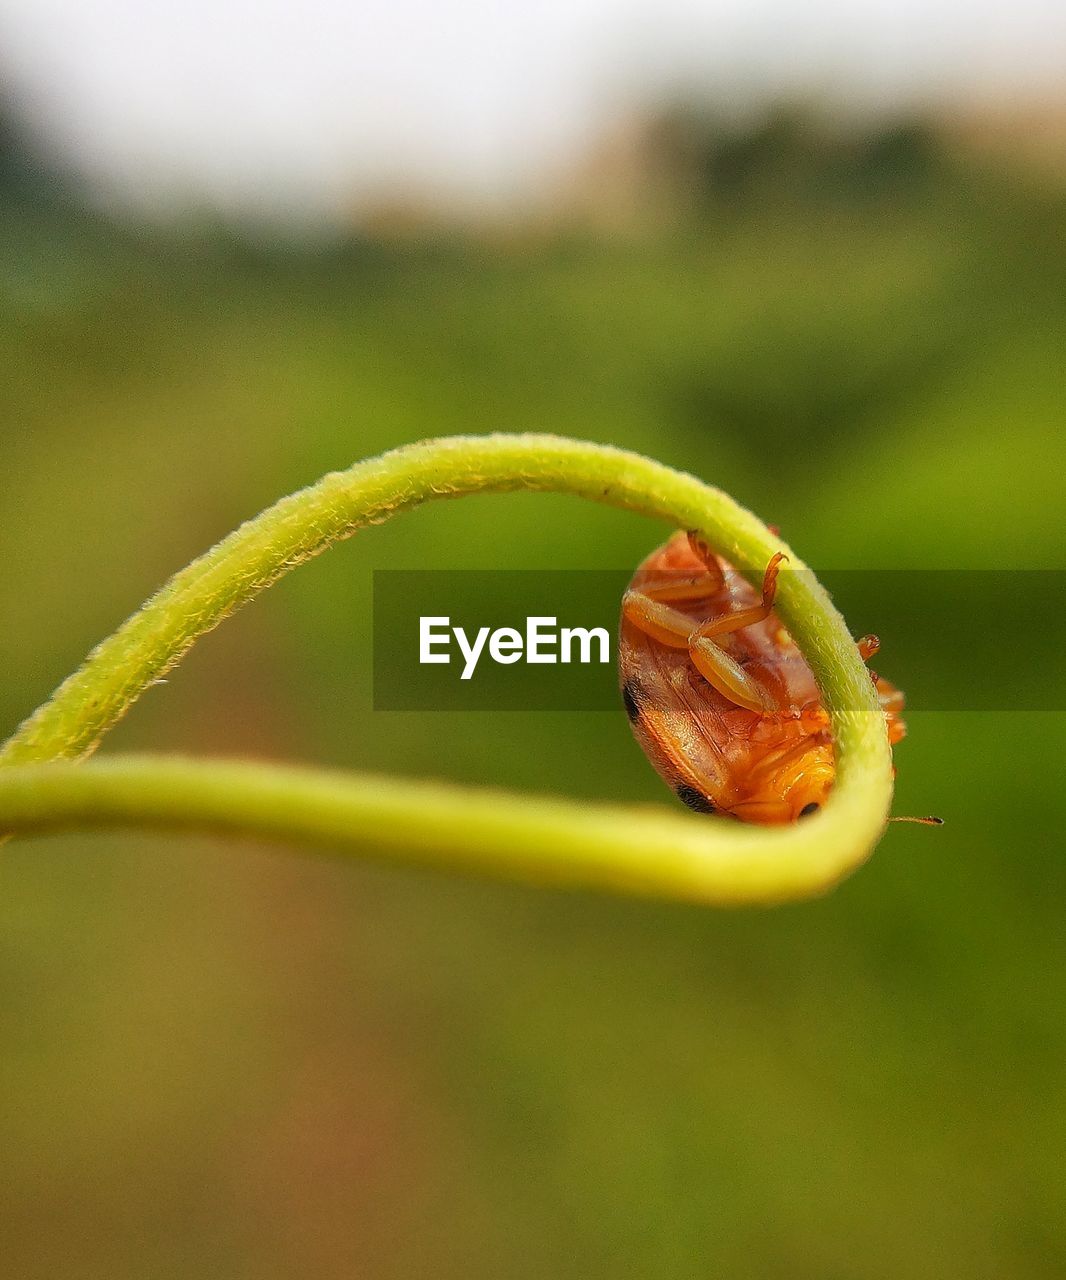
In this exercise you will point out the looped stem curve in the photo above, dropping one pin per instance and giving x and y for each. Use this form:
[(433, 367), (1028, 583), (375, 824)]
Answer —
[(645, 850)]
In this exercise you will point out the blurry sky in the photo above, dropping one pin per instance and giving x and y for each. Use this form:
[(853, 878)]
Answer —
[(328, 101)]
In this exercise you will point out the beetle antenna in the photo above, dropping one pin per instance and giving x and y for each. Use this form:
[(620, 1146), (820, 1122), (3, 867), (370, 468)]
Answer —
[(926, 822)]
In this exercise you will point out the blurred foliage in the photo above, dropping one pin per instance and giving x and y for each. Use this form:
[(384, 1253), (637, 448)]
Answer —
[(793, 152), (225, 1061)]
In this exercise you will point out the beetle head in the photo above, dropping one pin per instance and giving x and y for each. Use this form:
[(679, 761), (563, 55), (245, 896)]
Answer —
[(791, 791)]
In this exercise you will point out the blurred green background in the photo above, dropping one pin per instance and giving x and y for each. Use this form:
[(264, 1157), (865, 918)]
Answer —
[(223, 1060)]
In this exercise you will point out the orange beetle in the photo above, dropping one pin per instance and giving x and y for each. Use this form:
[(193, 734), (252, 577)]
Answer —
[(719, 696)]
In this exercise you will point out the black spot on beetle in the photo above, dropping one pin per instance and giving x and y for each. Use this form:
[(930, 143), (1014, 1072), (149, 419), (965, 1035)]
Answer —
[(695, 800), (808, 809), (629, 691)]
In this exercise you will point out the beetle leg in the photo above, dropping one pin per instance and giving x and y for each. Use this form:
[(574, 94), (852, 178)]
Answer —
[(745, 617), (718, 668), (891, 698), (867, 647), (655, 618), (689, 588), (702, 551), (683, 590), (727, 675), (674, 629)]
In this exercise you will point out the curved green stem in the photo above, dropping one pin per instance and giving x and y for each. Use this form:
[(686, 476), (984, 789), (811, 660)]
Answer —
[(653, 852)]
